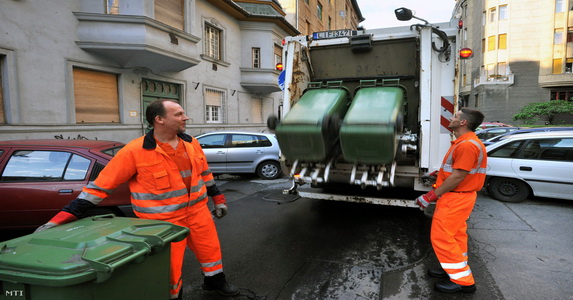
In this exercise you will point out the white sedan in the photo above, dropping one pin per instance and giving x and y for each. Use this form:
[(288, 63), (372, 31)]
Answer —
[(531, 164)]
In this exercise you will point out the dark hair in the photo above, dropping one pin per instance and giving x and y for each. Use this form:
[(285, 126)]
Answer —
[(155, 108), (473, 116)]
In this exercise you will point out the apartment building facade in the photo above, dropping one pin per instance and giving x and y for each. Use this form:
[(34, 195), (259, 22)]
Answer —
[(523, 53), (310, 16), (87, 69)]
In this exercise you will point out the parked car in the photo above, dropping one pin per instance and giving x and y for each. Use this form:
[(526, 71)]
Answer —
[(525, 130), (486, 125), (488, 133), (39, 177), (538, 164), (242, 152)]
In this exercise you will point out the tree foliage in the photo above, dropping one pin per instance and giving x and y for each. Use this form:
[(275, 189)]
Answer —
[(545, 111)]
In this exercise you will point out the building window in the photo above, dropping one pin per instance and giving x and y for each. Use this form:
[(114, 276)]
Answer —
[(278, 54), (491, 43), (483, 18), (329, 23), (559, 6), (212, 42), (256, 110), (569, 65), (96, 96), (557, 66), (170, 12), (558, 36), (492, 14), (503, 12), (319, 11), (256, 58), (502, 69), (308, 29), (112, 7), (502, 41), (491, 70), (482, 45), (562, 95), (214, 103)]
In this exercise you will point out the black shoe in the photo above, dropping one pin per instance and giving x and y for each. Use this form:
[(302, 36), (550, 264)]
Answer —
[(437, 273), (452, 287), (226, 290)]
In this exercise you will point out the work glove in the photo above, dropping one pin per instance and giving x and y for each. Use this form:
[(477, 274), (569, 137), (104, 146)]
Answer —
[(430, 178), (220, 206), (425, 200), (45, 226), (61, 218)]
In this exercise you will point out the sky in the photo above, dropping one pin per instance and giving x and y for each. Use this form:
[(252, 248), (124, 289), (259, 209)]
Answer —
[(380, 13)]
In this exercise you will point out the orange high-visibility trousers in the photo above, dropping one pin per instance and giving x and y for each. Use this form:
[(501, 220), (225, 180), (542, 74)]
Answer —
[(202, 240), (449, 237)]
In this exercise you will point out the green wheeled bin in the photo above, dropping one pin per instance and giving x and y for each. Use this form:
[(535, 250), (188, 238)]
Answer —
[(304, 134), (102, 257), (368, 134)]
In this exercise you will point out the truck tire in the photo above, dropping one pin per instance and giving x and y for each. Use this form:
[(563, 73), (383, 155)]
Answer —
[(269, 170), (508, 189)]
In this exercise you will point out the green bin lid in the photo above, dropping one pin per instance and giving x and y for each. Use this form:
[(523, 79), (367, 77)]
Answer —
[(84, 250)]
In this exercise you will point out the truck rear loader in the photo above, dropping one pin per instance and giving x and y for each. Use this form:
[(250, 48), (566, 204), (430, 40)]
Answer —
[(367, 108)]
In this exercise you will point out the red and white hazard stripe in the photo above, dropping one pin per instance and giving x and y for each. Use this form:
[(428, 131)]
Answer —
[(447, 113)]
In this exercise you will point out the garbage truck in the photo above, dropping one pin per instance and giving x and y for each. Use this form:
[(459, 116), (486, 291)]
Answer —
[(367, 108)]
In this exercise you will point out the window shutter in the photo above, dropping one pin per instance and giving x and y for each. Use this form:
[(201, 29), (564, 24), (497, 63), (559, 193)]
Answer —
[(170, 12), (96, 97)]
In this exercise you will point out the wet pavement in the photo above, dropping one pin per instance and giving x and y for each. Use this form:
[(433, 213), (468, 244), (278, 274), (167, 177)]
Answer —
[(315, 249)]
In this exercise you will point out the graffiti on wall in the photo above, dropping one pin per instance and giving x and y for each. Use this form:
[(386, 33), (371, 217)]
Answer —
[(79, 137)]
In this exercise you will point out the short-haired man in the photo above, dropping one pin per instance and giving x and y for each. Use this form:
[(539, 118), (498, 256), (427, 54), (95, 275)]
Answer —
[(460, 177), (169, 180)]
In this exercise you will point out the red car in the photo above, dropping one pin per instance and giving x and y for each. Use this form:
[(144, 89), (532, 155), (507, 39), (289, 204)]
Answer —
[(39, 177), (486, 125)]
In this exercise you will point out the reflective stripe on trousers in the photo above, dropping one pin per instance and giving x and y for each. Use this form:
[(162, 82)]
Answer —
[(449, 237), (202, 240)]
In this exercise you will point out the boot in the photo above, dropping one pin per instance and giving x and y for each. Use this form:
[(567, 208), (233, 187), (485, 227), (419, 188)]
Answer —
[(218, 284)]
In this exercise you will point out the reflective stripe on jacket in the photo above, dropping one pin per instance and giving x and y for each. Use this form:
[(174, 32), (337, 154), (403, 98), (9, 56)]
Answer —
[(157, 188), (466, 153)]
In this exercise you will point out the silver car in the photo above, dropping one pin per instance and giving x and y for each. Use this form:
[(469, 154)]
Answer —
[(242, 152)]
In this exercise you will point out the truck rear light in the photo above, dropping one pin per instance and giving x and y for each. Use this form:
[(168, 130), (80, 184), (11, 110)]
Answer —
[(466, 53)]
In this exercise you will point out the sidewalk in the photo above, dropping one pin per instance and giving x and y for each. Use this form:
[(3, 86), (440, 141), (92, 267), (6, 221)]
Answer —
[(527, 247)]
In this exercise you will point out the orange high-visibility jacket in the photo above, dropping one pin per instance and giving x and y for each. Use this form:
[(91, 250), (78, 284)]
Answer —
[(157, 189), (466, 153)]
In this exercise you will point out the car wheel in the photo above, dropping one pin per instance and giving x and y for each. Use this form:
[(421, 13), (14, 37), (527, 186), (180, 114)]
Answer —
[(269, 170), (508, 189)]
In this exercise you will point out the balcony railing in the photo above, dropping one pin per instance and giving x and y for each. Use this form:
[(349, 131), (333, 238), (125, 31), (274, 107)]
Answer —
[(494, 79)]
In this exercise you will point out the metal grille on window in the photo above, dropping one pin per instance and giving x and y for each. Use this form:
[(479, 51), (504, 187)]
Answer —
[(212, 42), (214, 103)]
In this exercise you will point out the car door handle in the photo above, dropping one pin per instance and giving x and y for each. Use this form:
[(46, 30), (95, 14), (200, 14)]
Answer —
[(220, 152), (66, 191), (259, 152), (525, 168)]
